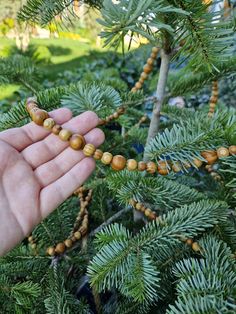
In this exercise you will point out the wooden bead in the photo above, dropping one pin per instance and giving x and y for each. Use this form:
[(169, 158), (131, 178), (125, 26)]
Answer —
[(176, 167), (162, 168), (232, 149), (198, 163), (48, 123), (56, 129), (132, 164), (115, 115), (60, 248), (39, 116), (152, 216), (143, 119), (33, 246), (30, 239), (144, 75), (147, 212), (150, 61), (121, 110), (213, 99), (51, 251), (138, 206), (147, 68), (138, 85), (89, 150), (77, 235), (196, 247), (83, 230), (73, 239), (65, 135), (68, 243), (155, 49), (118, 162), (142, 166), (153, 55), (106, 158), (134, 89), (210, 156), (189, 242), (151, 167), (77, 142), (143, 208), (132, 202), (31, 105), (141, 81), (222, 152)]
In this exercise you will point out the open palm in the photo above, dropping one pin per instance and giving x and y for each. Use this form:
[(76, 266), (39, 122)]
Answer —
[(38, 172)]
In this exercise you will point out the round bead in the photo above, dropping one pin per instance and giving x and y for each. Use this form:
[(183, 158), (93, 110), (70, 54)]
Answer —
[(141, 81), (65, 135), (150, 61), (138, 85), (213, 99), (176, 167), (33, 246), (132, 164), (77, 142), (31, 105), (162, 168), (118, 162), (115, 115), (39, 116), (144, 75), (210, 156), (142, 166), (51, 251), (60, 248), (222, 152), (143, 119), (155, 49), (77, 235), (134, 89), (189, 242), (151, 167), (152, 216), (121, 110), (138, 206), (30, 239), (73, 239), (132, 202), (56, 129), (232, 149), (147, 212), (106, 158), (153, 55), (196, 247), (83, 230), (48, 123), (197, 162), (89, 150), (68, 243), (147, 68)]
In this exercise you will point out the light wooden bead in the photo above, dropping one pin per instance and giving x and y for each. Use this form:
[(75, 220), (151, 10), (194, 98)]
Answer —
[(198, 163), (106, 158), (77, 235), (121, 110), (189, 242), (196, 247), (210, 156), (51, 251), (49, 123), (142, 166), (162, 168), (132, 164), (153, 55), (144, 75), (39, 116), (30, 239), (232, 149), (176, 167), (138, 206), (147, 212), (115, 115), (222, 152), (56, 129), (150, 61), (60, 248), (33, 111), (138, 85), (65, 135), (68, 243), (83, 230), (141, 81), (77, 142), (89, 150), (155, 49), (98, 154), (143, 119), (118, 162), (132, 202), (33, 246), (147, 68), (151, 167), (31, 105), (134, 89)]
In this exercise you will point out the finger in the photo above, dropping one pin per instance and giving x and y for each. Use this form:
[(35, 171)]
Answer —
[(30, 133), (61, 164), (57, 192), (45, 150)]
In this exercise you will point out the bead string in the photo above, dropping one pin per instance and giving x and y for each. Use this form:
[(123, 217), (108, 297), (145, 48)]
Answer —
[(80, 227), (147, 69), (214, 98), (153, 216), (119, 162)]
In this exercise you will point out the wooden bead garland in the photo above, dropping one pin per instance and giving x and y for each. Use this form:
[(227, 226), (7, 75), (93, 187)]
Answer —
[(214, 98)]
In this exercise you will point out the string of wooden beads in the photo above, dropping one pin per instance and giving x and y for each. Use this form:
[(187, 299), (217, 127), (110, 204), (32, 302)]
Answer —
[(80, 227), (214, 98), (147, 69), (32, 242), (115, 115)]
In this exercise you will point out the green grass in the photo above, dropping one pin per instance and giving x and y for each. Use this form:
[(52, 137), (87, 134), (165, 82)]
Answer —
[(66, 55)]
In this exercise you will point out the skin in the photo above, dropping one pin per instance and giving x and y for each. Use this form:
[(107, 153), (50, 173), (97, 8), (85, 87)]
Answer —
[(38, 172)]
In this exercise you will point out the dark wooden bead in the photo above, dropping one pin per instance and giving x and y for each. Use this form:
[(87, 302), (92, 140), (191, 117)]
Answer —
[(118, 162), (56, 129), (210, 156), (142, 166), (77, 142), (147, 69), (39, 116), (60, 248), (151, 167), (150, 61), (144, 75)]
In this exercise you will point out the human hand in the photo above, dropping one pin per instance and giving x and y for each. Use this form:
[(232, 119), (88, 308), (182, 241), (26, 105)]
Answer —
[(38, 172)]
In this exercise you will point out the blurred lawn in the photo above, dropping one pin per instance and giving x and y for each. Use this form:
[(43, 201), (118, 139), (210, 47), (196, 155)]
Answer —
[(66, 54)]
